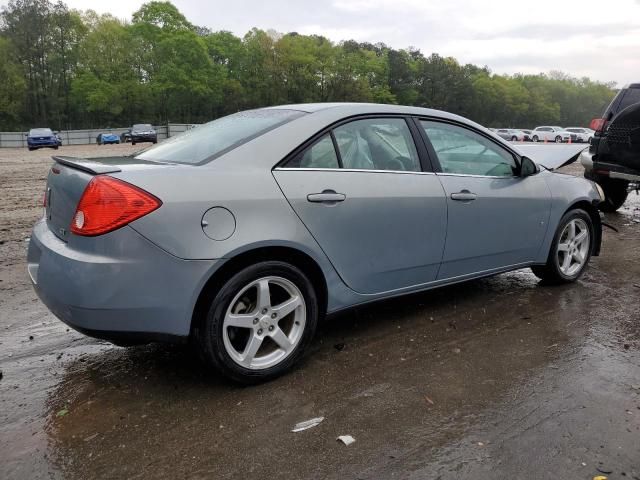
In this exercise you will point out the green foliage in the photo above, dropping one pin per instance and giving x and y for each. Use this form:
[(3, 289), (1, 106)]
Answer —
[(69, 69), (12, 87)]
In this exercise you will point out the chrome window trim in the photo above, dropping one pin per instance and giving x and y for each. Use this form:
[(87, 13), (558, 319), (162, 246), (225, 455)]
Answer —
[(442, 174), (404, 172)]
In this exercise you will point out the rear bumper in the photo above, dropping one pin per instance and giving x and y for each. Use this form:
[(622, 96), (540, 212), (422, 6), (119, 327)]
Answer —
[(129, 290), (594, 167)]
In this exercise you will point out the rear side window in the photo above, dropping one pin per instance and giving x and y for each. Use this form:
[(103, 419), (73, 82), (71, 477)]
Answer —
[(368, 144), (377, 144), (207, 142), (319, 155)]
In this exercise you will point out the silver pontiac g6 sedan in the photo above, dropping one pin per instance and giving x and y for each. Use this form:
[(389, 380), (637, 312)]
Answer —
[(242, 233)]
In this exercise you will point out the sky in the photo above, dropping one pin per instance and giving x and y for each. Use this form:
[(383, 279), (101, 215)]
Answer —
[(598, 39)]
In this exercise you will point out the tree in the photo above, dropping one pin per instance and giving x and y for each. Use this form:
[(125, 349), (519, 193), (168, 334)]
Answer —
[(64, 68), (12, 87)]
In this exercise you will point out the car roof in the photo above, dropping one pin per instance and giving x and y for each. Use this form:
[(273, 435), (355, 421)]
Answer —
[(280, 142), (347, 109)]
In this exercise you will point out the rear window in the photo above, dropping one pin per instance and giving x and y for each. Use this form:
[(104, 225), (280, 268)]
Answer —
[(631, 96), (40, 132), (207, 142)]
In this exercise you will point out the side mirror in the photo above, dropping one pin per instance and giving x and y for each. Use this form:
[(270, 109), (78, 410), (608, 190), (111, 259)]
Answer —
[(528, 167)]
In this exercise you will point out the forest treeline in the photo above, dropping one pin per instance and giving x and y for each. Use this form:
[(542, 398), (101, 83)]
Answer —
[(76, 69)]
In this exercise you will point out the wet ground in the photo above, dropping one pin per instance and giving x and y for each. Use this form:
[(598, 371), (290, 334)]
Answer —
[(496, 378)]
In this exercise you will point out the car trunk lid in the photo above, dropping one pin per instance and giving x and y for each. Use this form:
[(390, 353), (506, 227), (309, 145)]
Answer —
[(67, 180)]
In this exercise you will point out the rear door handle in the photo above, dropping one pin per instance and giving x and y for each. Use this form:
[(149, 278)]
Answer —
[(327, 196), (464, 196)]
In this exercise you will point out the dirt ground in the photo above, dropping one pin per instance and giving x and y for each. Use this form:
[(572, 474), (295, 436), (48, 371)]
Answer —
[(496, 378)]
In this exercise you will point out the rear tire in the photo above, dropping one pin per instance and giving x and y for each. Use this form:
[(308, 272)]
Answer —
[(556, 270), (226, 347), (615, 193), (514, 139)]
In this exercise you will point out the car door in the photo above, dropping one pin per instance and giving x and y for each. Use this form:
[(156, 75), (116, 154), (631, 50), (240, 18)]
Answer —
[(496, 218), (361, 192)]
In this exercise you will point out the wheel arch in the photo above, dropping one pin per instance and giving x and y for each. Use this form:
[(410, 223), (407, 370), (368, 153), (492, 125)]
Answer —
[(291, 255), (594, 213)]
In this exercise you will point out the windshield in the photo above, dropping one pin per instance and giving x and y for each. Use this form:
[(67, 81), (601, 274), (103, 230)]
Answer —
[(142, 127), (40, 132), (208, 141)]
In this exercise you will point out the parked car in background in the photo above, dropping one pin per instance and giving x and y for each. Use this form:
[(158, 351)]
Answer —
[(107, 139), (582, 134), (143, 132), (551, 134), (613, 159), (511, 134), (241, 234), (42, 137), (527, 135)]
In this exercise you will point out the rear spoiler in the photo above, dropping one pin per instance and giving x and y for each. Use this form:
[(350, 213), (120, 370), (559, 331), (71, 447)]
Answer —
[(86, 165)]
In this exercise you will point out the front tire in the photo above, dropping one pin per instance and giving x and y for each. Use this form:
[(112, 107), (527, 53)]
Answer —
[(259, 323), (558, 139), (535, 138), (514, 139), (570, 250)]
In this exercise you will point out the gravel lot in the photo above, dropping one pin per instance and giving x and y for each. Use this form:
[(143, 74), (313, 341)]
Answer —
[(495, 378)]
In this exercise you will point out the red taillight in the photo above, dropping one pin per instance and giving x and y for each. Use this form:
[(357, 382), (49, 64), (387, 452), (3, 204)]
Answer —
[(108, 203), (598, 124)]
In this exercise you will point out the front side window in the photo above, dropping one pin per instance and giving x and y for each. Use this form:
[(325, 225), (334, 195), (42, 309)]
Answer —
[(462, 151), (377, 144), (206, 142)]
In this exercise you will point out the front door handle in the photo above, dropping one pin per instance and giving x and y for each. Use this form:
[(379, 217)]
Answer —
[(327, 196), (464, 196)]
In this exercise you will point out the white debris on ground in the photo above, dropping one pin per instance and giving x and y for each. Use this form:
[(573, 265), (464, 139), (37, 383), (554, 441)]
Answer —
[(346, 439), (299, 427)]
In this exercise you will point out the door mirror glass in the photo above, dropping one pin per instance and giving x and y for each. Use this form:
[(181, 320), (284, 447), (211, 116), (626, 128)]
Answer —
[(528, 167)]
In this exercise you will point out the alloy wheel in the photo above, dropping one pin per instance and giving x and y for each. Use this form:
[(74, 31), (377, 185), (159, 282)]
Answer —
[(573, 247), (264, 323)]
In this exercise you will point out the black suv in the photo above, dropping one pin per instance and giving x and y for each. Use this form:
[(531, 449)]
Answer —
[(613, 159)]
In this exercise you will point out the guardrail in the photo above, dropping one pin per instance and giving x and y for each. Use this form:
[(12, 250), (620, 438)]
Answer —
[(88, 136)]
